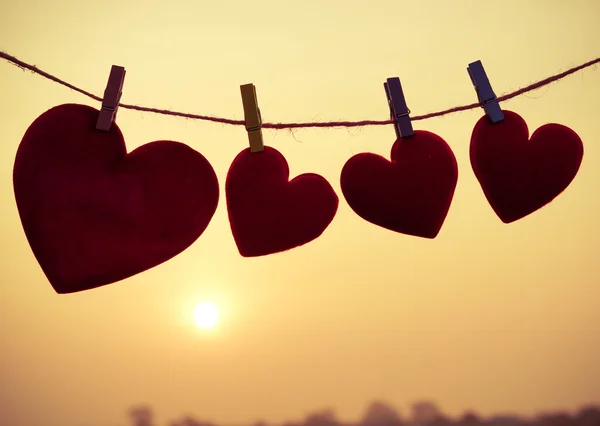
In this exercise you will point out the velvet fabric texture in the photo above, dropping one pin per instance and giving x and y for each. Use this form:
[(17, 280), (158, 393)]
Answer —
[(268, 213), (518, 174), (412, 193), (92, 213)]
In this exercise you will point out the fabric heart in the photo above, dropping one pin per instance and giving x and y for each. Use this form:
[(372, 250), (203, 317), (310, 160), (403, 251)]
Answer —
[(92, 213), (520, 175), (412, 193), (267, 212)]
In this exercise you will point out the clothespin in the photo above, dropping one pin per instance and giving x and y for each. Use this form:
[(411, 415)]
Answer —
[(112, 96), (398, 109), (252, 117), (485, 94)]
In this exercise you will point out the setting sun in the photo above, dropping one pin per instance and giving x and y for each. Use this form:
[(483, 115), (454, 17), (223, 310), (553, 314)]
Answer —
[(206, 315)]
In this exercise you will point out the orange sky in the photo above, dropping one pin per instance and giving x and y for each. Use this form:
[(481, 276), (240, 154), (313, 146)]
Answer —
[(487, 316)]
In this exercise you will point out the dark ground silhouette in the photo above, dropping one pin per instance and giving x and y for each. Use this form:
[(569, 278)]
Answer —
[(422, 414)]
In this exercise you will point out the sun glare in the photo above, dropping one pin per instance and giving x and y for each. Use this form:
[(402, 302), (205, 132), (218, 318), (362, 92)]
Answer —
[(206, 315)]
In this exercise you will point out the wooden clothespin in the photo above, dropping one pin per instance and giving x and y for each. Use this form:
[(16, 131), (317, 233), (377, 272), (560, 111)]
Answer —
[(112, 96), (252, 117), (398, 109), (485, 93)]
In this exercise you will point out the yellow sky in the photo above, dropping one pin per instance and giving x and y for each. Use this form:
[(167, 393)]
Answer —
[(487, 316)]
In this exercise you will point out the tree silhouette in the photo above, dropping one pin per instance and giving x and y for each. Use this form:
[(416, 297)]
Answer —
[(423, 413), (381, 414), (141, 416), (321, 418), (470, 419), (588, 416)]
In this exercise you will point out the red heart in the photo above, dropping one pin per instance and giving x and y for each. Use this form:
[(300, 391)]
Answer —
[(267, 212), (520, 175), (94, 214), (412, 193)]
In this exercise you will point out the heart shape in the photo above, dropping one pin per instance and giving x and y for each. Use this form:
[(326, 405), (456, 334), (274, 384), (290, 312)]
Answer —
[(518, 174), (92, 213), (268, 213), (412, 193)]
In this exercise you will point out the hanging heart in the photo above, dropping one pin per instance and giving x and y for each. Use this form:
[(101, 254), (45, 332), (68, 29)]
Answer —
[(518, 174), (92, 213), (269, 213), (412, 193)]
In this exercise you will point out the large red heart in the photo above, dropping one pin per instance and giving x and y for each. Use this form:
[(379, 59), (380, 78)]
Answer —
[(94, 214), (520, 175), (412, 193), (267, 212)]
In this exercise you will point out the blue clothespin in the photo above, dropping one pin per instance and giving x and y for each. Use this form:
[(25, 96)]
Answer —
[(398, 109), (112, 96), (485, 94)]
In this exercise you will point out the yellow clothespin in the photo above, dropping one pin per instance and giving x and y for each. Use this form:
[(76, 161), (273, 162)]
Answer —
[(252, 117)]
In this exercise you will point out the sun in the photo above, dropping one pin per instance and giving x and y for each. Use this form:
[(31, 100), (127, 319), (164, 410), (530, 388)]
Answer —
[(206, 315)]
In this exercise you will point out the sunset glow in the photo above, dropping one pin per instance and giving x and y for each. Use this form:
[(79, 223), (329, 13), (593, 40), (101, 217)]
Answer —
[(359, 324), (206, 315)]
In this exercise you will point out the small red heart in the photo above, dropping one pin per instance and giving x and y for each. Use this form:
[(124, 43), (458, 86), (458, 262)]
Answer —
[(269, 213), (412, 193), (92, 213), (518, 174)]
